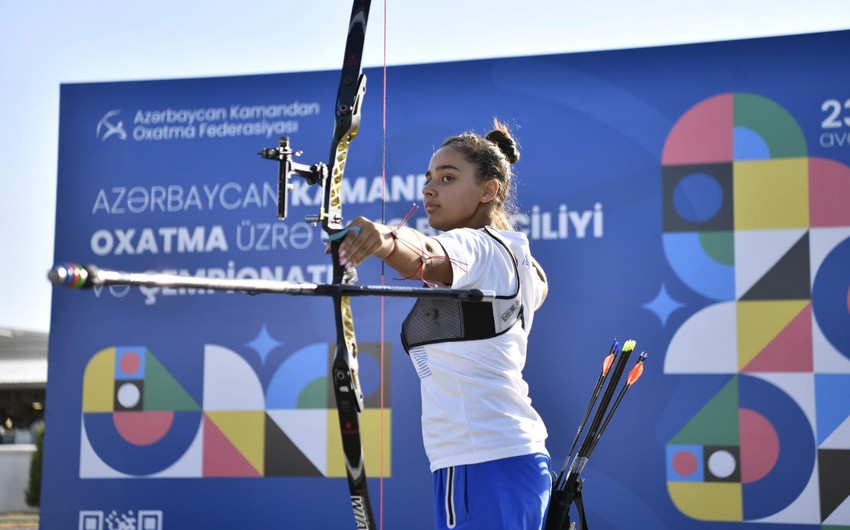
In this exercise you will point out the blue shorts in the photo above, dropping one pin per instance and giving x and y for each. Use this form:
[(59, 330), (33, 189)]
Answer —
[(510, 494)]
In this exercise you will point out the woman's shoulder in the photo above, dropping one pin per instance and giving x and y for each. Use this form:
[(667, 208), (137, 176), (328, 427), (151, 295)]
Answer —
[(484, 241), (516, 241)]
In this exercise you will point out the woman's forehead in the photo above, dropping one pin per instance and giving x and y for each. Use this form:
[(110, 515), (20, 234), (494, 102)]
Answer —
[(448, 155)]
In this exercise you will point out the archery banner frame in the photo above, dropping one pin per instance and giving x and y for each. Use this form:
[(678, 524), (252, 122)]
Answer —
[(688, 196)]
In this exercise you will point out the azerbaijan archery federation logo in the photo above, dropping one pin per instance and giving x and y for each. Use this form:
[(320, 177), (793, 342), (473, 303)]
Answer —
[(110, 125)]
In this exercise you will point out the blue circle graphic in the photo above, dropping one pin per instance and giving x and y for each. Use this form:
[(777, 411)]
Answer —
[(697, 197), (831, 297)]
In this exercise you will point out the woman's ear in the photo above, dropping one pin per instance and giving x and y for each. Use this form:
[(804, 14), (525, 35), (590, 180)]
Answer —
[(491, 189)]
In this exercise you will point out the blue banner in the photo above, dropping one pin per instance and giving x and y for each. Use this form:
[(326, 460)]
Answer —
[(690, 197)]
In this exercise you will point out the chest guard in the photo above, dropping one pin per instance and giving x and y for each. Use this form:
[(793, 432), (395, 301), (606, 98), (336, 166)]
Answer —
[(439, 320)]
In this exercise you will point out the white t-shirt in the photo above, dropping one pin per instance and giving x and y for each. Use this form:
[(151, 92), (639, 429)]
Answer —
[(475, 404)]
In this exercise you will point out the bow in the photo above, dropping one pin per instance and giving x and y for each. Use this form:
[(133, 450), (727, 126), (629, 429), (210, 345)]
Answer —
[(347, 390)]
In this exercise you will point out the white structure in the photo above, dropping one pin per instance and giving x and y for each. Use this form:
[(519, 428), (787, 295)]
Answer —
[(14, 476)]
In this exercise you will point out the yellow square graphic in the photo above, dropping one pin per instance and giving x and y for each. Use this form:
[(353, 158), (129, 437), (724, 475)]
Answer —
[(771, 194), (375, 435), (708, 501)]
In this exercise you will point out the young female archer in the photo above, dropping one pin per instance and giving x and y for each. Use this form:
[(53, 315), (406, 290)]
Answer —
[(485, 442)]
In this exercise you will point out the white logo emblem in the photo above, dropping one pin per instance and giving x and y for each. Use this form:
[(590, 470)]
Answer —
[(105, 127)]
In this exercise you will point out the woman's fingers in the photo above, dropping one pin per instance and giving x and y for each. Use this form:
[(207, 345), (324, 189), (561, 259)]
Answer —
[(361, 241)]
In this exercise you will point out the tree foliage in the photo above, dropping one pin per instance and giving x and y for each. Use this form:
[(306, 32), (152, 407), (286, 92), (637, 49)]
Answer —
[(33, 491)]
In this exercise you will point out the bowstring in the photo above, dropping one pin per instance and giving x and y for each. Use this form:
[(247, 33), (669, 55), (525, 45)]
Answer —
[(383, 265)]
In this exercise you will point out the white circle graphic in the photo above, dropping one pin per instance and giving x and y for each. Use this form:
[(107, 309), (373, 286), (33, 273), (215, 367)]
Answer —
[(128, 395), (721, 464)]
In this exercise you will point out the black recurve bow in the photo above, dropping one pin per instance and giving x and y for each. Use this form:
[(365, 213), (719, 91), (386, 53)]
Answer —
[(344, 369)]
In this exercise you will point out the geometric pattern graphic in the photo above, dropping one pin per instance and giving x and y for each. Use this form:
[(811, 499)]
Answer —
[(761, 231), (755, 450), (140, 421)]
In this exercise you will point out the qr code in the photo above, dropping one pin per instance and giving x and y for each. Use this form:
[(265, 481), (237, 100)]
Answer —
[(114, 520)]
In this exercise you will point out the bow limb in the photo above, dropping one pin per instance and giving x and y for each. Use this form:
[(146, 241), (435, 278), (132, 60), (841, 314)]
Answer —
[(352, 88)]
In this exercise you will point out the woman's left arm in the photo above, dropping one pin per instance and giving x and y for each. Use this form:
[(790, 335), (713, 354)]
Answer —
[(544, 282), (410, 252)]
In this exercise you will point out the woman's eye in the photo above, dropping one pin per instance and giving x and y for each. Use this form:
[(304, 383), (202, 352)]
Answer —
[(447, 178)]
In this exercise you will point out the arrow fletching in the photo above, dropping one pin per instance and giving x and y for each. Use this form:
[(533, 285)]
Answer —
[(637, 370)]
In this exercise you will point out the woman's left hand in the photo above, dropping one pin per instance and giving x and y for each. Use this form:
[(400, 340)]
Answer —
[(366, 238)]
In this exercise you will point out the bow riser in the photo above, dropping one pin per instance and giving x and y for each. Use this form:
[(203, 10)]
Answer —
[(349, 125)]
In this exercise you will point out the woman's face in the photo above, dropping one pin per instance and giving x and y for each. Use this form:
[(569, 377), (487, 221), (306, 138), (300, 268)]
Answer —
[(454, 197)]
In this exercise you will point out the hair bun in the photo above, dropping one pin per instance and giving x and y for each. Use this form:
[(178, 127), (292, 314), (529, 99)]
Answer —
[(503, 139)]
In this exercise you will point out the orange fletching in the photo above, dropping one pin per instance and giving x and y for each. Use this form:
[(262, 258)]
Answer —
[(606, 365), (635, 374)]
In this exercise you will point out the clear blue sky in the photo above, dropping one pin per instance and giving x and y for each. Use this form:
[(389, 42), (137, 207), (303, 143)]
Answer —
[(44, 44)]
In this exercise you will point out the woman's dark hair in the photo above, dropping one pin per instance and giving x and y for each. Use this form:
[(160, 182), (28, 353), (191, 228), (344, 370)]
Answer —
[(493, 154)]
